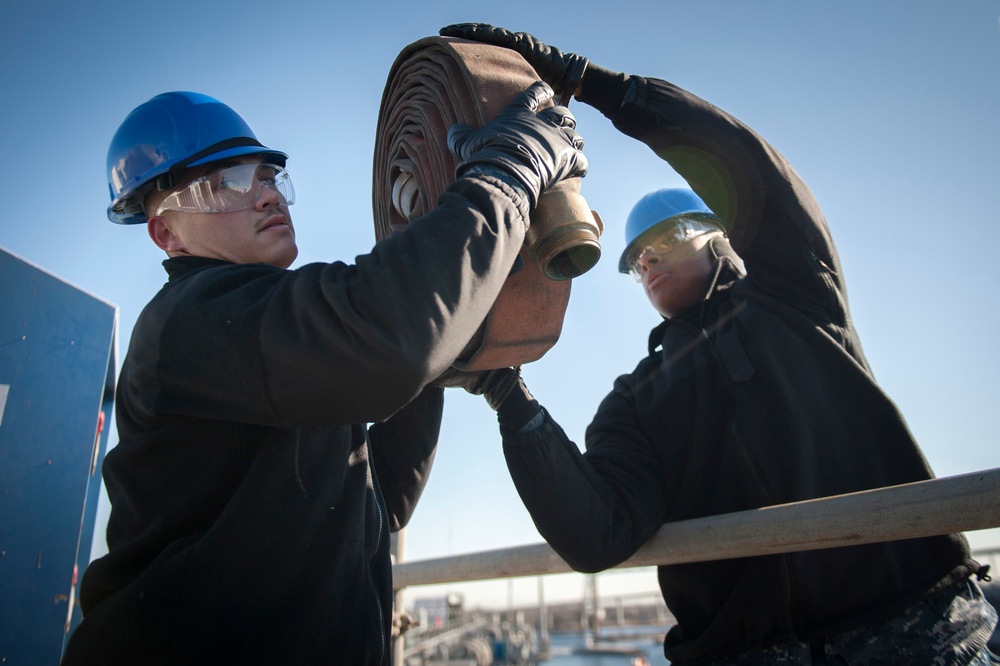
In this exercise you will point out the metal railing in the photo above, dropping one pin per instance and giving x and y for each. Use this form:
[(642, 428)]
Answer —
[(962, 503)]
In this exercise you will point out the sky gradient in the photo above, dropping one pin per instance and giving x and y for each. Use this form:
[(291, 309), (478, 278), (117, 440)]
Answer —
[(888, 110)]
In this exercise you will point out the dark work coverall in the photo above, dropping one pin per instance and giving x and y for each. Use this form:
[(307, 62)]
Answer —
[(758, 395), (251, 505)]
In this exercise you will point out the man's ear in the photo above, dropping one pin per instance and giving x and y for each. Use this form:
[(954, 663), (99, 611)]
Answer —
[(162, 233)]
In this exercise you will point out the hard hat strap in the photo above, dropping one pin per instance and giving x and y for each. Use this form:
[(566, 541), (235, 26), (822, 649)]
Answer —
[(167, 180)]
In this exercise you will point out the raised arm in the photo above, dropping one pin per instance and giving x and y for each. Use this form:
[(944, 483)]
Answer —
[(774, 222), (332, 343)]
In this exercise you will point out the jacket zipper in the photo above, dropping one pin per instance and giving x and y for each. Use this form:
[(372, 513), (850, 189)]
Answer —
[(378, 601), (378, 545)]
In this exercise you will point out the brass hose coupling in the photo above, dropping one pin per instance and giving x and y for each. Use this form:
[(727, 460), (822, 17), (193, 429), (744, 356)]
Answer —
[(563, 238)]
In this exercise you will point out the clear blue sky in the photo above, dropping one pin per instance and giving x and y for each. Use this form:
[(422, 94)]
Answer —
[(889, 110)]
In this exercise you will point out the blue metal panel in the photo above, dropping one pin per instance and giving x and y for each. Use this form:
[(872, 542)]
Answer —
[(57, 370)]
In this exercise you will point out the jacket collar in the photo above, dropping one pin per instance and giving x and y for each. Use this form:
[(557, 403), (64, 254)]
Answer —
[(178, 266)]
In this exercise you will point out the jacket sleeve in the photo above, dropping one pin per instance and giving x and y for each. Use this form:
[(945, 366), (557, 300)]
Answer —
[(331, 343), (402, 449), (596, 508), (773, 220)]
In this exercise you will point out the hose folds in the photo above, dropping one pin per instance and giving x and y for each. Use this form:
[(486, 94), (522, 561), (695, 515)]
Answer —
[(433, 84)]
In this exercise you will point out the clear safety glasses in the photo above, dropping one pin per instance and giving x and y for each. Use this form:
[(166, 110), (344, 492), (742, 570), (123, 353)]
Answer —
[(230, 189), (658, 242)]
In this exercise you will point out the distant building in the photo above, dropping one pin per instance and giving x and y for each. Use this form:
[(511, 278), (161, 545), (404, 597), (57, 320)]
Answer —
[(438, 612)]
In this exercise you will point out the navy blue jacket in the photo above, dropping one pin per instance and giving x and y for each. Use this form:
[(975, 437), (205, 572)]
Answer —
[(758, 395), (251, 505)]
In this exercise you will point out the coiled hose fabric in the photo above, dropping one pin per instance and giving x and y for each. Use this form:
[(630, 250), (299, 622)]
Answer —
[(433, 84)]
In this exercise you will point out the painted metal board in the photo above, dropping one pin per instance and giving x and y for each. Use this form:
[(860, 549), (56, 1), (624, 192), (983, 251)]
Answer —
[(57, 376)]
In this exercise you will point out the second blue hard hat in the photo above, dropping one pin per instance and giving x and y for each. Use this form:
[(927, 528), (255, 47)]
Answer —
[(659, 207)]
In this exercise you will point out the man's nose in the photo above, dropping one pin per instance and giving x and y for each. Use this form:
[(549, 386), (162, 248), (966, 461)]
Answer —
[(267, 195), (647, 259)]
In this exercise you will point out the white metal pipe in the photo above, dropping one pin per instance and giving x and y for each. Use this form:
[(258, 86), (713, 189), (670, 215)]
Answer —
[(939, 506)]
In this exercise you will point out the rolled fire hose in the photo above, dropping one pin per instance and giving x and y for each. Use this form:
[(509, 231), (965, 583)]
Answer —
[(433, 84)]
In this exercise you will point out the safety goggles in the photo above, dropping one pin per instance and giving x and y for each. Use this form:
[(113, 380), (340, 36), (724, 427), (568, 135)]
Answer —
[(660, 241), (230, 189)]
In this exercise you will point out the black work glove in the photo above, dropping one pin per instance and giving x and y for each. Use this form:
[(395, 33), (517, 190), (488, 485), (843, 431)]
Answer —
[(562, 71), (567, 73), (539, 148), (494, 385), (503, 389)]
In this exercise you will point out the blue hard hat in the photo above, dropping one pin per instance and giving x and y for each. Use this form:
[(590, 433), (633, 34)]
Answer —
[(166, 135), (659, 207)]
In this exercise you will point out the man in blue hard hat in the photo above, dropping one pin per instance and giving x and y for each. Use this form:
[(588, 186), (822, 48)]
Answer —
[(250, 503), (754, 391), (666, 235)]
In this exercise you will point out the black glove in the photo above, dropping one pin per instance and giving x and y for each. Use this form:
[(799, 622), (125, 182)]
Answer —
[(503, 389), (562, 71), (494, 385), (539, 148), (567, 73)]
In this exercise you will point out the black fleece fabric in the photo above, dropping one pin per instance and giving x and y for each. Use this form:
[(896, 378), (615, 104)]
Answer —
[(251, 502), (759, 395)]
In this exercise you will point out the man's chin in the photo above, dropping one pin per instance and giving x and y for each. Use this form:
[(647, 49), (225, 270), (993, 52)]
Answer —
[(289, 258)]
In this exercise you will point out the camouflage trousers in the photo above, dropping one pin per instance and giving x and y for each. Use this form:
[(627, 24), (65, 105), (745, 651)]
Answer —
[(949, 628)]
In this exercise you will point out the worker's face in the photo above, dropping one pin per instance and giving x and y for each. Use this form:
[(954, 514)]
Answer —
[(676, 279), (261, 233)]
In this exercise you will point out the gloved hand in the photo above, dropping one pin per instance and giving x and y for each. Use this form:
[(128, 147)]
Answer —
[(503, 389), (562, 71), (494, 385), (539, 148)]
